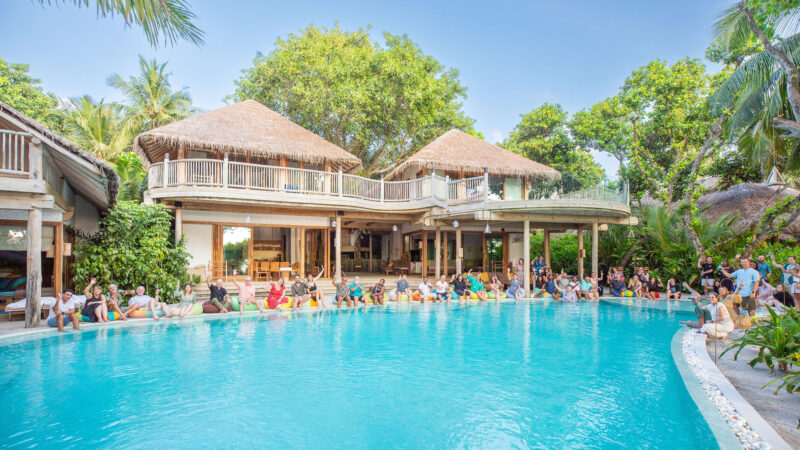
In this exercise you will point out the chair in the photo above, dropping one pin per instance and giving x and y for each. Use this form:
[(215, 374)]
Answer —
[(284, 269), (262, 270), (274, 268)]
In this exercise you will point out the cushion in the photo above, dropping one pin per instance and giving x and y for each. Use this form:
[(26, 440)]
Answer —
[(208, 308), (4, 282), (16, 282)]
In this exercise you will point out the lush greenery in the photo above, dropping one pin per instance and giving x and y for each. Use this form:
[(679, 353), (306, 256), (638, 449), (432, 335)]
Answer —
[(379, 102), (777, 339), (23, 92), (543, 135), (134, 247)]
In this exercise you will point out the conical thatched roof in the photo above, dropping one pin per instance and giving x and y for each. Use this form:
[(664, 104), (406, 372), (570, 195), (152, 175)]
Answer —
[(460, 152), (246, 127), (746, 199)]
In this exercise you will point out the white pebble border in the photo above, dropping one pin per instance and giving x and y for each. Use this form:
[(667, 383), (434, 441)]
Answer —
[(747, 436)]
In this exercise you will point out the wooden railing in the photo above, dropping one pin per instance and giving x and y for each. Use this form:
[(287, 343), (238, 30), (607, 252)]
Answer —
[(431, 190), (14, 153)]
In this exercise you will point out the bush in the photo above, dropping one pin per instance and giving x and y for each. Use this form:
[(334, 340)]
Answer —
[(134, 247), (777, 339)]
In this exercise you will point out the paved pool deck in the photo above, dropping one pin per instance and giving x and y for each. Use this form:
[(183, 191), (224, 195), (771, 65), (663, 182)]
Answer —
[(781, 410)]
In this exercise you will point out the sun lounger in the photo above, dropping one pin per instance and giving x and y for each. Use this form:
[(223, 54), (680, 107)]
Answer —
[(18, 307)]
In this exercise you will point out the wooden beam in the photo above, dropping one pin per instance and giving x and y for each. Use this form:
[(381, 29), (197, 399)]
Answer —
[(424, 253), (327, 235), (179, 224), (302, 268), (33, 295), (370, 251), (58, 261), (595, 243), (12, 184), (459, 252), (35, 159), (526, 256), (27, 202), (438, 249), (580, 253), (444, 252), (546, 245), (338, 244), (560, 219)]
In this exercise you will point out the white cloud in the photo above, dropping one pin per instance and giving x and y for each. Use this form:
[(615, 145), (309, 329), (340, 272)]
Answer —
[(495, 136)]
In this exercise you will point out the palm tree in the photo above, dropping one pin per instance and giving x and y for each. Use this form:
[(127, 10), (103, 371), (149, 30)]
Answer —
[(167, 19), (151, 102), (96, 127), (133, 179)]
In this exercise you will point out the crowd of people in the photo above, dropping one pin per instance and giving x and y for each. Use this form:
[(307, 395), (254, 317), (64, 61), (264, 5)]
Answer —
[(740, 286)]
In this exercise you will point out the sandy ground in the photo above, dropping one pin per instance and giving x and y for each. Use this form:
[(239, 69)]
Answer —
[(782, 411)]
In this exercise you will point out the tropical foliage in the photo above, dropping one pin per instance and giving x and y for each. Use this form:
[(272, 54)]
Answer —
[(134, 247), (132, 177), (777, 339), (22, 92), (379, 102), (97, 127)]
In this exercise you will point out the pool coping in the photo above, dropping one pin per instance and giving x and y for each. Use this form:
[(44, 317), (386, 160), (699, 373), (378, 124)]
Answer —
[(750, 420), (723, 433)]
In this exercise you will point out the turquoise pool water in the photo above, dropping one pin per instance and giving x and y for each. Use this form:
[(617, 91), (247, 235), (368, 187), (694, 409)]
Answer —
[(490, 376)]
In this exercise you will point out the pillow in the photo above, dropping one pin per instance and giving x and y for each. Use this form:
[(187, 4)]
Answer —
[(4, 282), (16, 282)]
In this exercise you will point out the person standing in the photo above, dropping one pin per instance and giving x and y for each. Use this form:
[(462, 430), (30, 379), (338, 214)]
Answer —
[(747, 280), (64, 309), (788, 276), (538, 264), (706, 274)]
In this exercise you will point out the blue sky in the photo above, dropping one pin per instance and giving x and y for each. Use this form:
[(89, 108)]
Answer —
[(513, 56)]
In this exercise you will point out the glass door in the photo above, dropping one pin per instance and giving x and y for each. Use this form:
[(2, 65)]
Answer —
[(236, 249)]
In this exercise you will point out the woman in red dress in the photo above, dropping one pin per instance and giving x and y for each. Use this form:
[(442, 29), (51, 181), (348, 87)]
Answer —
[(276, 297)]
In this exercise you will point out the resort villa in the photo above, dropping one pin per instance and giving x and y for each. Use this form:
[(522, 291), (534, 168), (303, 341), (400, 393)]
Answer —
[(46, 183), (253, 191)]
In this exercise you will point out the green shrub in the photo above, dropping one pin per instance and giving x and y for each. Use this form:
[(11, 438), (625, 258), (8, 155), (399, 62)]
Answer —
[(134, 247), (777, 339)]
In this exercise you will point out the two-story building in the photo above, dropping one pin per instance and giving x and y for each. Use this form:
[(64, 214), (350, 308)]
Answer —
[(46, 182), (253, 191)]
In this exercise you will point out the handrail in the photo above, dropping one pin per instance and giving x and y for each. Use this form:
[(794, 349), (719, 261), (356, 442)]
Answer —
[(431, 190), (14, 152)]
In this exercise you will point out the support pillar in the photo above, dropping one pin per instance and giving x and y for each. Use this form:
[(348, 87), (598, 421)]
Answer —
[(459, 252), (526, 256), (424, 254), (370, 252), (33, 305), (301, 269), (444, 253), (595, 242), (338, 244), (546, 245), (179, 224), (581, 253), (58, 262), (438, 257)]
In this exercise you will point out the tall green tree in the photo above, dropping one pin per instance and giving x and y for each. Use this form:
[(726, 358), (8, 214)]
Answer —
[(167, 21), (150, 99), (132, 177), (543, 136), (24, 93), (97, 127), (379, 102)]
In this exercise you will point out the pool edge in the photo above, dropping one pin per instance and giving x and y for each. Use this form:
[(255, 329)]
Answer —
[(723, 433)]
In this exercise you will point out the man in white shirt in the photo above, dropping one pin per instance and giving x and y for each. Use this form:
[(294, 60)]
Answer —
[(64, 307), (442, 290), (424, 290), (142, 301)]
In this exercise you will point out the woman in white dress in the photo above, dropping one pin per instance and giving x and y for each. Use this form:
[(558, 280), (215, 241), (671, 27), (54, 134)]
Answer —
[(721, 323)]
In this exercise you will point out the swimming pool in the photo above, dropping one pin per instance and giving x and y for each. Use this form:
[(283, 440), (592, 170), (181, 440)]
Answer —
[(510, 375)]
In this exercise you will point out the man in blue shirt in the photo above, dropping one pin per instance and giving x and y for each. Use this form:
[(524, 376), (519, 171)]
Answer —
[(538, 264), (747, 281), (763, 268)]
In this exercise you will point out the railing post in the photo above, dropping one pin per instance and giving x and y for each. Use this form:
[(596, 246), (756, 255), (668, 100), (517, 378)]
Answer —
[(446, 188), (35, 159), (485, 184), (341, 190), (165, 174), (382, 194), (225, 171)]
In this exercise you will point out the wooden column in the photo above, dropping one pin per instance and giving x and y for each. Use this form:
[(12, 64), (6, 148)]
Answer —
[(483, 251), (424, 253), (595, 241), (546, 245), (35, 162), (327, 236), (438, 249), (444, 252), (338, 244), (459, 252), (580, 253), (370, 252), (179, 224), (58, 261), (526, 256), (33, 305), (302, 264)]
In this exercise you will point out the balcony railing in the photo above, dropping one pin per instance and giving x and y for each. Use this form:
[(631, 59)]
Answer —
[(14, 153), (433, 189)]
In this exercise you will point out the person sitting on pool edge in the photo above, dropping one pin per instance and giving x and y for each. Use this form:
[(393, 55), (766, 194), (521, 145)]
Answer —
[(218, 295), (277, 295), (247, 293), (316, 293), (424, 290), (403, 287), (114, 299), (717, 323), (356, 292), (300, 293), (549, 288), (496, 287), (673, 289), (342, 292), (588, 290), (94, 308), (515, 289), (617, 286), (142, 301), (442, 289), (476, 286), (64, 309), (568, 295), (459, 286), (377, 292)]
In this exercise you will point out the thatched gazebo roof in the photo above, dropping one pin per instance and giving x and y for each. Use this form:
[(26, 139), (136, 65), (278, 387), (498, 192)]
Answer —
[(460, 152), (246, 127), (746, 200)]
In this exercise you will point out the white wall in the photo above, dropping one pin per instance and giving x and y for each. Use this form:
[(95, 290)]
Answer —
[(515, 250), (86, 216), (254, 219), (197, 239)]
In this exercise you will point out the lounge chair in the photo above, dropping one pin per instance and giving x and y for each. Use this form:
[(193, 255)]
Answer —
[(18, 307)]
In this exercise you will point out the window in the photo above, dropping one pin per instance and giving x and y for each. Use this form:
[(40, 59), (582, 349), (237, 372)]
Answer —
[(236, 248), (495, 188), (513, 189)]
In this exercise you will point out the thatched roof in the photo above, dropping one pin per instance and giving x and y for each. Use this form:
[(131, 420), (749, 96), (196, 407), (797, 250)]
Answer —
[(745, 199), (246, 127), (99, 188), (460, 152)]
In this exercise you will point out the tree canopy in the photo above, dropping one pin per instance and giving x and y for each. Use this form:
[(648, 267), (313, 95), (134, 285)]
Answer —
[(543, 136), (379, 102), (24, 93)]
